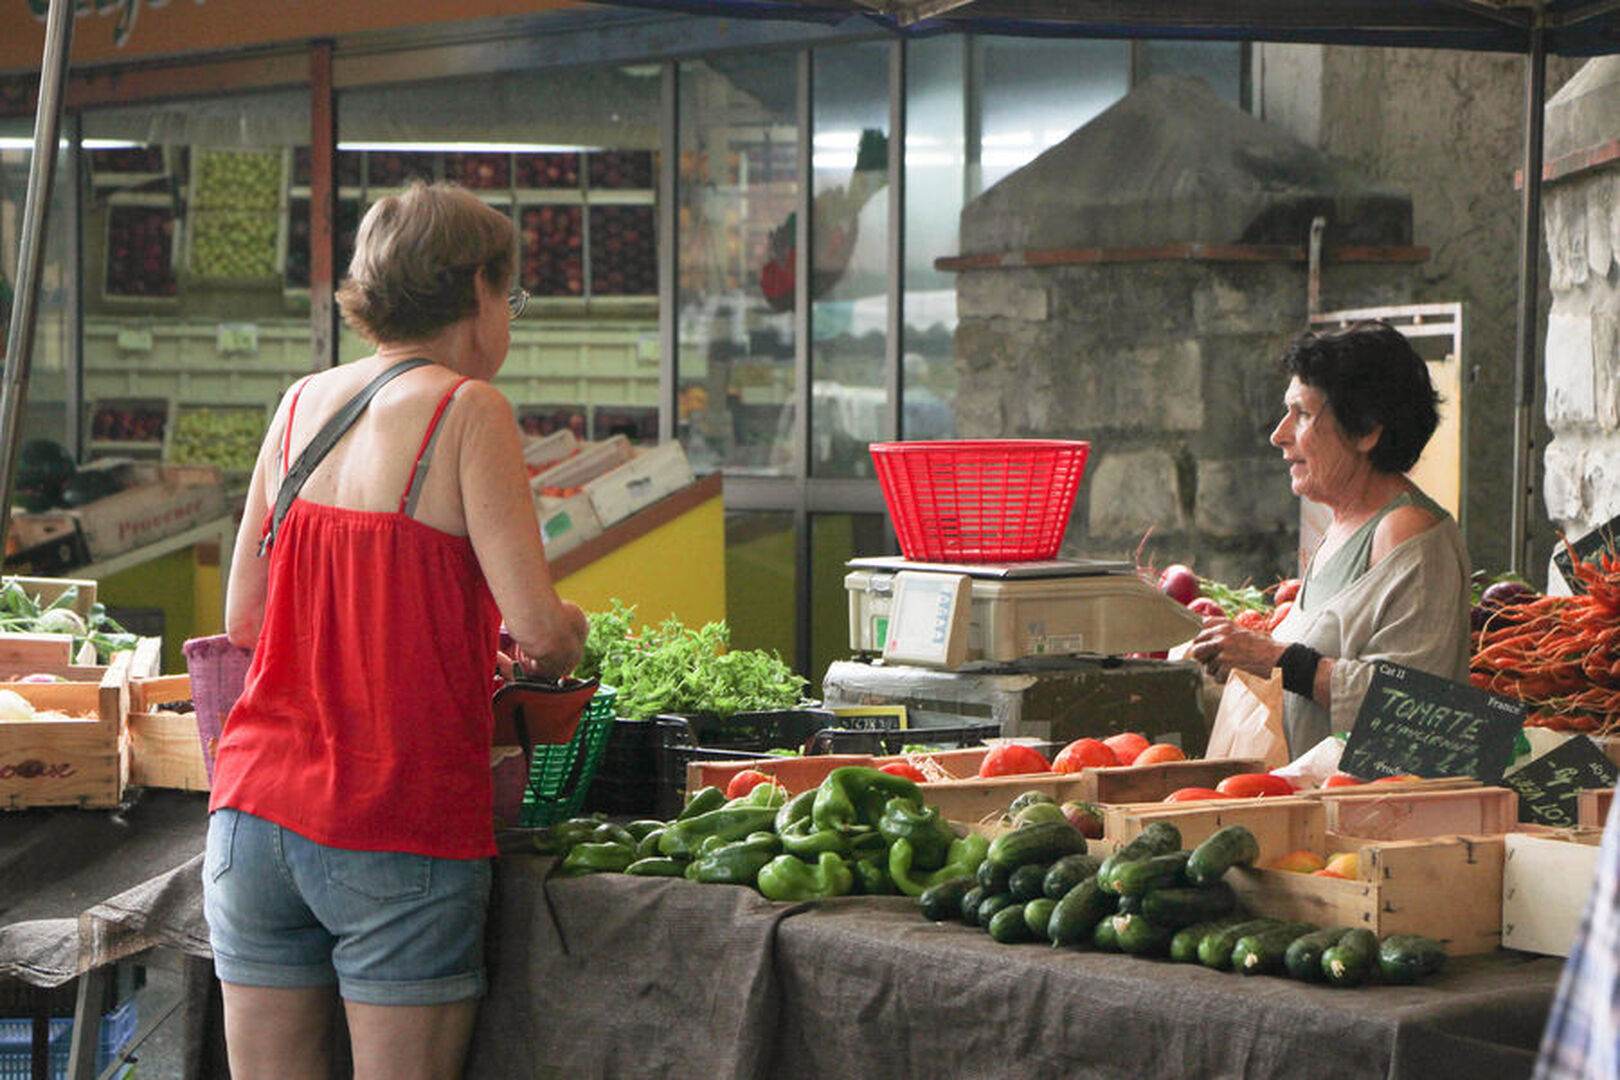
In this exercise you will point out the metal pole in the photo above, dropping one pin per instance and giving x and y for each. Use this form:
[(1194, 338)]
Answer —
[(31, 254), (1525, 353)]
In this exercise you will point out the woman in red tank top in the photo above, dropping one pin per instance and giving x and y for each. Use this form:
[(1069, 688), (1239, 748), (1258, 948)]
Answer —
[(351, 827)]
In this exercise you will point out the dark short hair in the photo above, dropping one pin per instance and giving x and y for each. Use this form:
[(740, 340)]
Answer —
[(416, 258), (1371, 376)]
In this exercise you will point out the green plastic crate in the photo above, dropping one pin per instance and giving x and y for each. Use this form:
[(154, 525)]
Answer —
[(561, 775)]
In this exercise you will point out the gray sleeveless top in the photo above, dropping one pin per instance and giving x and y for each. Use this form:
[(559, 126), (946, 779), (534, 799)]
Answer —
[(1348, 563)]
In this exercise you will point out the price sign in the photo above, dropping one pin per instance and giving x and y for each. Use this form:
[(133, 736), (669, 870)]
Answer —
[(870, 717), (1587, 549), (1415, 723), (1549, 786)]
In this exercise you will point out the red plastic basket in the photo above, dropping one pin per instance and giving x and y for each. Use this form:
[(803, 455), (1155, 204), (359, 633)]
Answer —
[(980, 500)]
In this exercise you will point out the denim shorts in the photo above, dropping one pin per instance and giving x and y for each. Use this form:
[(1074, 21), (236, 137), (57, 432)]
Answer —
[(388, 928)]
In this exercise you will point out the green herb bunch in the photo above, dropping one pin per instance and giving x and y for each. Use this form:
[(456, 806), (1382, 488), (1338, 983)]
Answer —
[(671, 668)]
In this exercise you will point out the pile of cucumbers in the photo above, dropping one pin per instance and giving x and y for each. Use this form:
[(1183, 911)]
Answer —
[(1152, 898)]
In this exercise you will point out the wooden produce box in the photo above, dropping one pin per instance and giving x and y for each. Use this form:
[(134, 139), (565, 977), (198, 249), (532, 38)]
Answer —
[(168, 499), (566, 523), (1546, 879), (47, 590), (165, 750), (592, 460), (81, 761), (1408, 815), (1448, 888), (643, 480), (1280, 825), (1592, 806), (52, 654)]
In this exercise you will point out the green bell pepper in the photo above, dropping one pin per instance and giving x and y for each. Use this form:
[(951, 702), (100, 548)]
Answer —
[(795, 810), (929, 833), (647, 846), (684, 835), (787, 877), (961, 860), (872, 875), (590, 858), (856, 795), (803, 839), (769, 794), (736, 863), (702, 801), (657, 866)]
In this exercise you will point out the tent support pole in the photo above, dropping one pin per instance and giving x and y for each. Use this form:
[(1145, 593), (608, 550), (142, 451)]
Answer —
[(19, 344), (1525, 352)]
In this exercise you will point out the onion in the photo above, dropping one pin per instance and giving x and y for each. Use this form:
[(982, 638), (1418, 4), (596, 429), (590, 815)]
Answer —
[(13, 706)]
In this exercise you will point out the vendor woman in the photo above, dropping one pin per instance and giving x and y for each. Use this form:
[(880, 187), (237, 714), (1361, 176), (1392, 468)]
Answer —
[(1390, 578)]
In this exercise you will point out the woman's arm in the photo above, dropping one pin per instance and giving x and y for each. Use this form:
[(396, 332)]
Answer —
[(505, 534)]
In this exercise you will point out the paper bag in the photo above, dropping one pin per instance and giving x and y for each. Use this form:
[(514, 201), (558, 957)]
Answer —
[(1248, 723)]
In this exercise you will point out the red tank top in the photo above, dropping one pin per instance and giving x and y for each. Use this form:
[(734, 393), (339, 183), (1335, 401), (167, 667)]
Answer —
[(365, 720)]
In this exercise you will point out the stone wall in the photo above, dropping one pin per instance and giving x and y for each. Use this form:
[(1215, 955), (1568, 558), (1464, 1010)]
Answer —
[(1582, 223)]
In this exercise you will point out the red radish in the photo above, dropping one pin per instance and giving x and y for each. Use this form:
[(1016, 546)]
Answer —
[(1203, 605), (1287, 589), (1179, 583)]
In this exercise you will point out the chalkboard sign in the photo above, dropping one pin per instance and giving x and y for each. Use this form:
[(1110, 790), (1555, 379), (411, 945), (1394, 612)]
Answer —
[(1549, 786), (1587, 549), (1414, 723)]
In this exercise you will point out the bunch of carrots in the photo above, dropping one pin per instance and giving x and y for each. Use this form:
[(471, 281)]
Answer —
[(1560, 655)]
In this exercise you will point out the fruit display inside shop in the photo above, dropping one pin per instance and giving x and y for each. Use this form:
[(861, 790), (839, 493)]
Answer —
[(348, 167), (234, 244), (479, 170), (548, 170), (395, 168), (1153, 898), (623, 253), (223, 436), (140, 252), (348, 223), (621, 169), (138, 160), (550, 241), (237, 180), (133, 422)]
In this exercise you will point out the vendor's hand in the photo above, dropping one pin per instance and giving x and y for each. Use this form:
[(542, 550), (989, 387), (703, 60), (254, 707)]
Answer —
[(1223, 647)]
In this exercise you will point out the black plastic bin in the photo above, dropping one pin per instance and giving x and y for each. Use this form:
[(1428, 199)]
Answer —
[(887, 741), (740, 736)]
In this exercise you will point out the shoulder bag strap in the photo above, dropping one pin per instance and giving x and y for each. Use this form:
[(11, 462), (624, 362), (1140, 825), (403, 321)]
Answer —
[(323, 441)]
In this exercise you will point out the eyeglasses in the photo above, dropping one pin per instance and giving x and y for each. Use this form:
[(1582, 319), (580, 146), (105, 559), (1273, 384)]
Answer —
[(516, 301)]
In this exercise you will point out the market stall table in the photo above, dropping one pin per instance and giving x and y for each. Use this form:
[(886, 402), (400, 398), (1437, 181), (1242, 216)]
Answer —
[(610, 975)]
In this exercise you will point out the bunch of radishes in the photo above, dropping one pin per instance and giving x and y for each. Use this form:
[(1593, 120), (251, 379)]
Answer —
[(1249, 607)]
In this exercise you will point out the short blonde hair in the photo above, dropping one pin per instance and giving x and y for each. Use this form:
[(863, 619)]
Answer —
[(416, 258)]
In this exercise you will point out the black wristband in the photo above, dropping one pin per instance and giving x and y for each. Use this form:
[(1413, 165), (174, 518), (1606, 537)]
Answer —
[(1298, 663)]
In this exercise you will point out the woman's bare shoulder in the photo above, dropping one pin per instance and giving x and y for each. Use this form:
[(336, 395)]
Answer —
[(1400, 525)]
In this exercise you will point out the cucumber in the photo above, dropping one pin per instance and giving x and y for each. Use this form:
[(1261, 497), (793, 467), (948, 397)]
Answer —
[(1102, 936), (1261, 953), (1078, 913), (1232, 846), (1154, 872), (1140, 936), (1007, 925), (1158, 838), (1184, 942), (970, 905), (1188, 904), (1215, 951), (1044, 843), (1127, 905), (1068, 872), (1026, 883), (992, 876), (992, 904), (944, 900), (1303, 960), (1406, 958), (1038, 917), (1352, 959)]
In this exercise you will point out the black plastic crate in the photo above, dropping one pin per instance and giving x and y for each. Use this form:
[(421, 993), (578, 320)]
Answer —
[(626, 781), (741, 736), (883, 742)]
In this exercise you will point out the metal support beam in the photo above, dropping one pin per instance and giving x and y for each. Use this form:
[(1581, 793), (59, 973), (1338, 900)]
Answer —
[(323, 268), (31, 256), (1525, 358)]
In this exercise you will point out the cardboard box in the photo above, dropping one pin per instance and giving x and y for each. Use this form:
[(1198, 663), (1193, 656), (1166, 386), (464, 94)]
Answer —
[(168, 499), (79, 761), (1546, 879), (566, 523), (1448, 888), (164, 751), (646, 478)]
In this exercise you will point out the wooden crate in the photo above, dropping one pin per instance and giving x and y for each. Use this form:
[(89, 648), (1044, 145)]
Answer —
[(165, 750), (1592, 806), (592, 461), (566, 523), (82, 761), (1408, 815), (643, 480), (52, 654), (1280, 825), (1448, 888), (1546, 878), (47, 590)]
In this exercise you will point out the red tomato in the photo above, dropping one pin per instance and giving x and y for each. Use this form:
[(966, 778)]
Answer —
[(1082, 753), (905, 769), (1125, 746), (1011, 759), (1279, 613), (1342, 780), (1251, 785), (1287, 589), (1192, 794), (1158, 753), (746, 781)]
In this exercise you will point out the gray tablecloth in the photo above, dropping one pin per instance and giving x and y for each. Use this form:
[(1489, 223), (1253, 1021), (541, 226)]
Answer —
[(611, 976)]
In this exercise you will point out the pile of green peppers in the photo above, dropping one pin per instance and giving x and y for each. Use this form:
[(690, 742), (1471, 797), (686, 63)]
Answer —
[(862, 831)]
